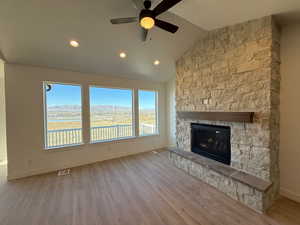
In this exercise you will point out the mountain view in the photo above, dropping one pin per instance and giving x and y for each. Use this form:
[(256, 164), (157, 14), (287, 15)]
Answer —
[(69, 116)]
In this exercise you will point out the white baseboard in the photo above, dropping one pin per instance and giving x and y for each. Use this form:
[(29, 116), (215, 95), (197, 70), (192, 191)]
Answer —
[(20, 175), (289, 194), (171, 146)]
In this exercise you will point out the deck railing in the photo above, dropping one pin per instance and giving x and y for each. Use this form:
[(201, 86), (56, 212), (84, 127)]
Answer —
[(110, 132), (65, 137)]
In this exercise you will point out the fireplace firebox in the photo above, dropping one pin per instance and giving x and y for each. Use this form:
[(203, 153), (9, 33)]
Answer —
[(211, 141)]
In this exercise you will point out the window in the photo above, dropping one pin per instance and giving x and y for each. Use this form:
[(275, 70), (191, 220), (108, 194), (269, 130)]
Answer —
[(110, 114), (63, 119), (147, 112)]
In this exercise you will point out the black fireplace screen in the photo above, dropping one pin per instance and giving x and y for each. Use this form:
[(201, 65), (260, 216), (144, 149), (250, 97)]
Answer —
[(211, 141)]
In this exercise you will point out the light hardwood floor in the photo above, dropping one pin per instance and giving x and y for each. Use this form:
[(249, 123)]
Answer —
[(144, 189)]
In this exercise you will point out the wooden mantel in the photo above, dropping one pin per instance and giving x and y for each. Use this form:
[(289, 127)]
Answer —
[(241, 117)]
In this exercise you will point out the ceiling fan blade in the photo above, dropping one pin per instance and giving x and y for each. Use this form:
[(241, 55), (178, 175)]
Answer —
[(144, 34), (164, 6), (124, 20), (166, 26), (138, 4)]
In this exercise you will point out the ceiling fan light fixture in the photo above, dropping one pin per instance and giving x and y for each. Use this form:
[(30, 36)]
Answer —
[(147, 22), (146, 19)]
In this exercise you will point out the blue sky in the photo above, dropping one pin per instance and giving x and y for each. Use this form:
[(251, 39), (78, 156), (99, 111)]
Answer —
[(71, 95)]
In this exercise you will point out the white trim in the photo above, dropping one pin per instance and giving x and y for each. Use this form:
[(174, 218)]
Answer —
[(86, 120), (132, 112), (290, 194), (63, 146), (114, 140), (157, 124), (46, 115), (21, 174), (149, 135), (109, 87), (157, 131)]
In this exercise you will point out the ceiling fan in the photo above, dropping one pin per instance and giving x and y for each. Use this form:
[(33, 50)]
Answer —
[(147, 17)]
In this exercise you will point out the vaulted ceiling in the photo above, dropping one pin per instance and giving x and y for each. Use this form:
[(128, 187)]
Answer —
[(212, 14), (37, 32)]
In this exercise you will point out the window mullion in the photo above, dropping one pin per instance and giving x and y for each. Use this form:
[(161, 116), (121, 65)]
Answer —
[(85, 114), (136, 112)]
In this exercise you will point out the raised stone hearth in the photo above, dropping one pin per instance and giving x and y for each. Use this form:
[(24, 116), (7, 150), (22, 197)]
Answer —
[(239, 185), (236, 69)]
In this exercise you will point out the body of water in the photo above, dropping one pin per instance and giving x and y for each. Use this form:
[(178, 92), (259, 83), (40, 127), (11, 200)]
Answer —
[(63, 120)]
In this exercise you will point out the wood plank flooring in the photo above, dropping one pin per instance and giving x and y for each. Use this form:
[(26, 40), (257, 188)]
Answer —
[(144, 189)]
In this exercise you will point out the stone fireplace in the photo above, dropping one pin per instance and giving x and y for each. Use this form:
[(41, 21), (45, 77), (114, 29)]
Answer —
[(235, 69)]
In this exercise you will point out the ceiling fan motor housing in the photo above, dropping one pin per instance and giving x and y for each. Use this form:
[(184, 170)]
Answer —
[(147, 4), (146, 13)]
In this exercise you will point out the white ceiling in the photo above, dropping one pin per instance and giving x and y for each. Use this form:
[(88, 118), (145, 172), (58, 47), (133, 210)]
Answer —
[(37, 32), (212, 14)]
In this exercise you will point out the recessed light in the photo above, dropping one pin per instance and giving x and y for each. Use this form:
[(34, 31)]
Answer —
[(74, 43), (123, 55), (156, 62)]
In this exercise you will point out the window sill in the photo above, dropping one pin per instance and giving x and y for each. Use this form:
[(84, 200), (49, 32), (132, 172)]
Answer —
[(123, 139), (71, 147), (149, 135), (113, 140), (64, 147)]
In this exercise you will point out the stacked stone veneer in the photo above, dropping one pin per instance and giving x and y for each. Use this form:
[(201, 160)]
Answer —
[(236, 69), (225, 181)]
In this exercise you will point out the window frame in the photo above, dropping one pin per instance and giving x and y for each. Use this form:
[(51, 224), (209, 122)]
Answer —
[(86, 116), (134, 135), (46, 147), (157, 130)]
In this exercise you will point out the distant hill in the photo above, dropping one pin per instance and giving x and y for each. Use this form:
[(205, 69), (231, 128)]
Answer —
[(73, 112), (94, 109), (110, 108), (64, 108)]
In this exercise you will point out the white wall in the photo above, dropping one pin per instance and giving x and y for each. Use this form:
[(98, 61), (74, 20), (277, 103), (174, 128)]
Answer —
[(2, 115), (290, 111), (171, 111), (25, 133)]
